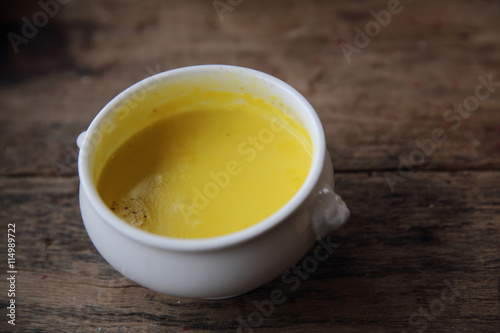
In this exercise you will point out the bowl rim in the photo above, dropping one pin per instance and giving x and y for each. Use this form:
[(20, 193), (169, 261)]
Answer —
[(210, 243)]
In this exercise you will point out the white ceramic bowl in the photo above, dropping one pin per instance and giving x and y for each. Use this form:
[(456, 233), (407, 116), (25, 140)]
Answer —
[(216, 267)]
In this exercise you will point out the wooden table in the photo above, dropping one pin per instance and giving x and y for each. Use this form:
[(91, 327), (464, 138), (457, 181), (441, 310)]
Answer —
[(421, 252)]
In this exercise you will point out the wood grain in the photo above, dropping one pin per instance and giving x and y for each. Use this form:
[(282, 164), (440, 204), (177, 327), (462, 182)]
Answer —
[(394, 258), (401, 249)]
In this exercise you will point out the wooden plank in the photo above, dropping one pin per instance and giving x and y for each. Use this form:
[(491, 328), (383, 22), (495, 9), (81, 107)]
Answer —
[(357, 140), (373, 109), (395, 257)]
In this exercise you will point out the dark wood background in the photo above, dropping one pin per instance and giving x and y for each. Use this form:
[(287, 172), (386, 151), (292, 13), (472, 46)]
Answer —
[(400, 249)]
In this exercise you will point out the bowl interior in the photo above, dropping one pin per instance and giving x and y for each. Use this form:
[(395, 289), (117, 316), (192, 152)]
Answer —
[(134, 109)]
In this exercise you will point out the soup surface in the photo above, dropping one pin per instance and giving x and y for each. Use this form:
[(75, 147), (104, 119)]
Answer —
[(208, 169)]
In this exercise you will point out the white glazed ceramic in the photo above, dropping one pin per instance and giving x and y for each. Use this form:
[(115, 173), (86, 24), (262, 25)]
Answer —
[(217, 267)]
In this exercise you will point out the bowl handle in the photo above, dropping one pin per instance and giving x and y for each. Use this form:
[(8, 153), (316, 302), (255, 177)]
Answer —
[(328, 213), (81, 137)]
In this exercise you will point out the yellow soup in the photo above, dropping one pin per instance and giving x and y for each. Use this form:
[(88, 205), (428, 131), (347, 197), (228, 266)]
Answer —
[(207, 169)]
